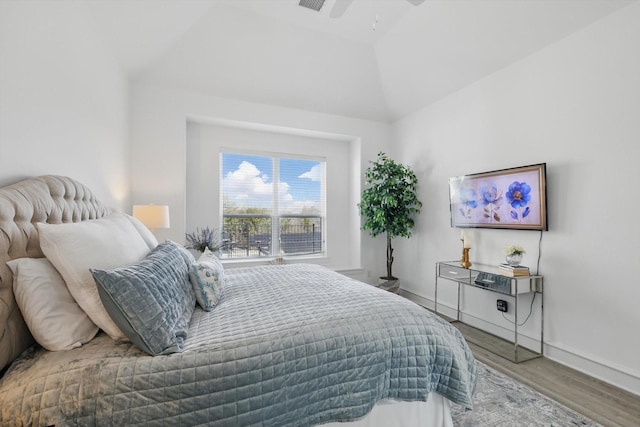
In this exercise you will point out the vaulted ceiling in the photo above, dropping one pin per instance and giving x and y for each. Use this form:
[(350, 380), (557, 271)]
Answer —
[(382, 60)]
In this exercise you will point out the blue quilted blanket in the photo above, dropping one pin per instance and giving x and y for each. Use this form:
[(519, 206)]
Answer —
[(287, 345)]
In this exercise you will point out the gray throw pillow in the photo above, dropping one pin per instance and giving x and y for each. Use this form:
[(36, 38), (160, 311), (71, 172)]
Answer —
[(151, 301)]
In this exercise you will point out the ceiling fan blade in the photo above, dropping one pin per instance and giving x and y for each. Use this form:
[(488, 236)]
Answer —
[(339, 8), (416, 2)]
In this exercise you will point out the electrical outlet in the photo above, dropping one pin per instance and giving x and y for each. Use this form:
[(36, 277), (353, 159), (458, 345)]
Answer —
[(501, 305)]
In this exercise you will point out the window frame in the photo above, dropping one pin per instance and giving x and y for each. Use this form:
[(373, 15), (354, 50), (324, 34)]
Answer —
[(275, 250)]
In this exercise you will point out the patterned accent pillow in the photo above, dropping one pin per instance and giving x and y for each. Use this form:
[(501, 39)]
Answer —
[(207, 279), (151, 301)]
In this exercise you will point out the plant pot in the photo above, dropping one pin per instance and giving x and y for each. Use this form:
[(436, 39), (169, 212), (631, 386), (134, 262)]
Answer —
[(391, 285), (514, 260)]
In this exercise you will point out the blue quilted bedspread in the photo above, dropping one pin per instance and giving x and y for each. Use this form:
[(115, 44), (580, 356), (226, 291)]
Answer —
[(287, 345)]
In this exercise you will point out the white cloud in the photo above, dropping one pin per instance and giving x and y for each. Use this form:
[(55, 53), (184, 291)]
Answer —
[(248, 186), (314, 174)]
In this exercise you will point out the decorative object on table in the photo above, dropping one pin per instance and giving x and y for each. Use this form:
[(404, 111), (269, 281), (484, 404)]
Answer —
[(513, 270), (512, 198), (466, 246), (388, 205), (202, 239), (514, 254), (152, 216)]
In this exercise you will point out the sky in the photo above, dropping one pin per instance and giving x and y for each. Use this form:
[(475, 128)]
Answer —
[(248, 181)]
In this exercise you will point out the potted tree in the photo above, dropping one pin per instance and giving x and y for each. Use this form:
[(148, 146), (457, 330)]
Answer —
[(388, 205)]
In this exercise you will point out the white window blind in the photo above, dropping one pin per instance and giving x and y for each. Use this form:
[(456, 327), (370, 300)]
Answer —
[(272, 205)]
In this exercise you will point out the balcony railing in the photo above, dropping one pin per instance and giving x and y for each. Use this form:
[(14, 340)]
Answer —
[(251, 235)]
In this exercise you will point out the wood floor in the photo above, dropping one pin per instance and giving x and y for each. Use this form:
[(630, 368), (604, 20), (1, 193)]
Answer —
[(597, 400)]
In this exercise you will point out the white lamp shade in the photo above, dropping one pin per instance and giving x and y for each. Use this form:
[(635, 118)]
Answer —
[(153, 216)]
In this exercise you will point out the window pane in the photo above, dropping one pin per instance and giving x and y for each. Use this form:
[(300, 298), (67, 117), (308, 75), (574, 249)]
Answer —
[(247, 204), (300, 206)]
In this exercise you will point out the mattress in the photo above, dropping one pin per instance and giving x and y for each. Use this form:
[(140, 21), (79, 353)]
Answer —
[(287, 345)]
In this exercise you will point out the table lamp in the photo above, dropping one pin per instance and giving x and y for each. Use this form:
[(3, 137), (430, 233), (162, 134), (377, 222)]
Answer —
[(152, 216)]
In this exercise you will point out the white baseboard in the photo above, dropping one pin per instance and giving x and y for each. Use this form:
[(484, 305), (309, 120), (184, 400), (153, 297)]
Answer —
[(425, 302), (590, 365), (354, 273), (603, 370)]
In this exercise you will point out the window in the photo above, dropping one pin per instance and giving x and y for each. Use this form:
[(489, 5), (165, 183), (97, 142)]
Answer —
[(272, 206)]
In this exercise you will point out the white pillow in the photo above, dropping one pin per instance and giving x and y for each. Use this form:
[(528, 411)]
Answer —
[(74, 248), (145, 233), (52, 315)]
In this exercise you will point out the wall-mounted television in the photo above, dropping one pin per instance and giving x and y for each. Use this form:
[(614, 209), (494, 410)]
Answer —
[(514, 198)]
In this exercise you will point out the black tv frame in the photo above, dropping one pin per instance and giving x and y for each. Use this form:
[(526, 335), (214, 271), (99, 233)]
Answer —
[(513, 198)]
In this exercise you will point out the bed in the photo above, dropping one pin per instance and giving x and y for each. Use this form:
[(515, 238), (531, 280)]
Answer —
[(284, 345)]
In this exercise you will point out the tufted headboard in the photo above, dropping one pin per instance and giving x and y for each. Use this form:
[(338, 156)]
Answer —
[(51, 199)]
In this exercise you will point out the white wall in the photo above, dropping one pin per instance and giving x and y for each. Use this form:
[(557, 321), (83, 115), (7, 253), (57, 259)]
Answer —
[(63, 99), (159, 146), (574, 105), (236, 54)]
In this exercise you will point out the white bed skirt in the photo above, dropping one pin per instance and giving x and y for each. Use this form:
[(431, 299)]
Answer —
[(435, 412)]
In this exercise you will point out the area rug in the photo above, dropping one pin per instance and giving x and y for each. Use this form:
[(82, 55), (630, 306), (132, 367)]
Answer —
[(502, 401)]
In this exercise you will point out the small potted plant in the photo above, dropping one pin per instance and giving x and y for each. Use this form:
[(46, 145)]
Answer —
[(202, 239), (514, 254)]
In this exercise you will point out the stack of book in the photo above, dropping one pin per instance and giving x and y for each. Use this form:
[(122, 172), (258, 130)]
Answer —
[(514, 270)]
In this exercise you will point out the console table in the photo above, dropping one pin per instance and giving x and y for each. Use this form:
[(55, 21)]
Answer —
[(490, 278)]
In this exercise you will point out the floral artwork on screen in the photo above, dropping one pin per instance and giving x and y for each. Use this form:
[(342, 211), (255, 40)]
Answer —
[(509, 198)]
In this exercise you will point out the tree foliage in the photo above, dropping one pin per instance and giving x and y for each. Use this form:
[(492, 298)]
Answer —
[(250, 224)]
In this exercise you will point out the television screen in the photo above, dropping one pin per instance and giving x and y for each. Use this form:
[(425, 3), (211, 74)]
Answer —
[(514, 198)]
